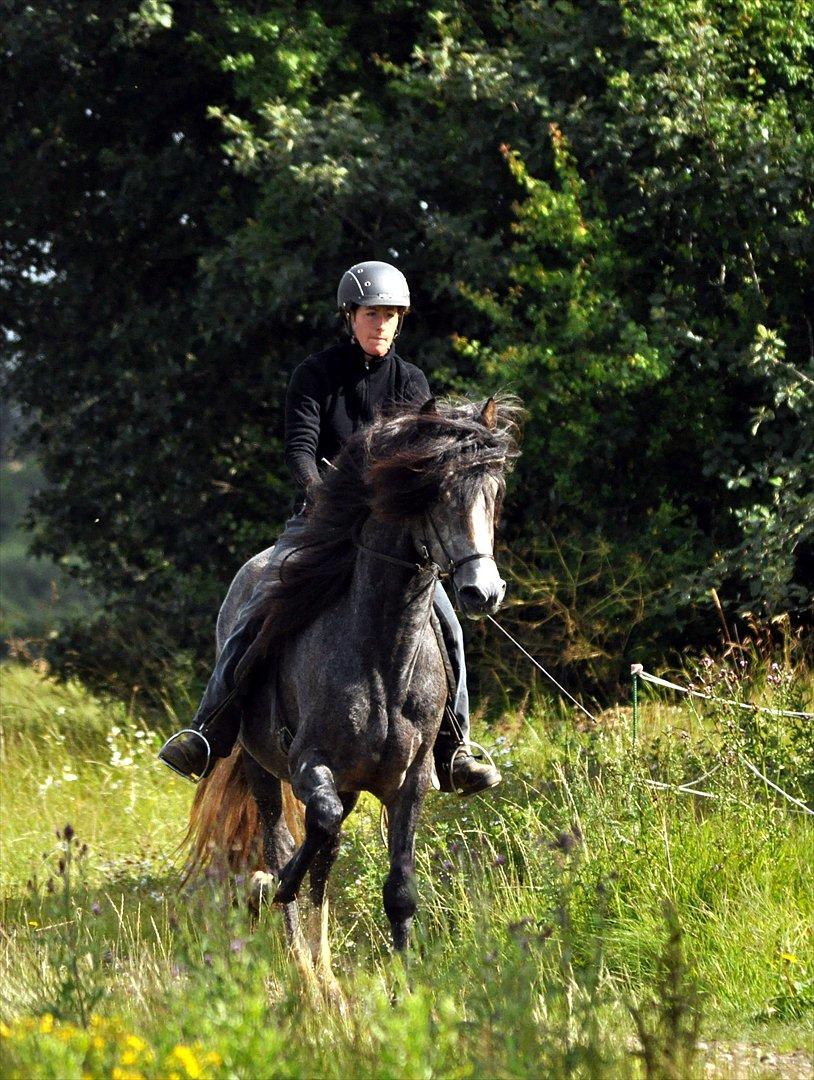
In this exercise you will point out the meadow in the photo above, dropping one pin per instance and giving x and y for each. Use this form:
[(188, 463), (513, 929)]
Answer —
[(578, 921)]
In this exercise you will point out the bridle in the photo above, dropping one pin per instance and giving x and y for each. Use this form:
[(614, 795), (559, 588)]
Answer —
[(427, 563), (453, 565)]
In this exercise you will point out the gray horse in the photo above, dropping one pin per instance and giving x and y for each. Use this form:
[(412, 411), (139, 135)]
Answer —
[(353, 679)]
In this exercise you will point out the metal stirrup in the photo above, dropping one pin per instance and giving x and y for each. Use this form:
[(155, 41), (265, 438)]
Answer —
[(465, 747), (193, 779)]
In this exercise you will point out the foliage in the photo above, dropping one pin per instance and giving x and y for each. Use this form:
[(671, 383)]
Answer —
[(34, 593), (541, 913), (605, 204)]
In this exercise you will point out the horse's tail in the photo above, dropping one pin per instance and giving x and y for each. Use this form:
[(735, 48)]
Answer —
[(225, 832)]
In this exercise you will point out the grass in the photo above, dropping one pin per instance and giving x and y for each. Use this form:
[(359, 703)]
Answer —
[(577, 922)]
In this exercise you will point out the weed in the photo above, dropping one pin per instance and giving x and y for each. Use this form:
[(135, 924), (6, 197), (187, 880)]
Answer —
[(668, 1020)]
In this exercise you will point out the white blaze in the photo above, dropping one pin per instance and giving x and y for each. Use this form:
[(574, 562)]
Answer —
[(482, 573)]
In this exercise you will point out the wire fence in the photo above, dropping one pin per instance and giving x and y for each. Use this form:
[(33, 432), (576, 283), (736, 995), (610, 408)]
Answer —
[(690, 787)]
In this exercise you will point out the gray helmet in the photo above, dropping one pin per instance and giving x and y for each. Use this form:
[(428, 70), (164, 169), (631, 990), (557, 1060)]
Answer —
[(371, 284)]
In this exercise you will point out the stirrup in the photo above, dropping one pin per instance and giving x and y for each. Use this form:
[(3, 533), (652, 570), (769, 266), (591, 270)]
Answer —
[(466, 747), (192, 779)]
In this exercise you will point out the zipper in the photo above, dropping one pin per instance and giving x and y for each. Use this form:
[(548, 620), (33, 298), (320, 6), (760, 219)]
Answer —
[(366, 384)]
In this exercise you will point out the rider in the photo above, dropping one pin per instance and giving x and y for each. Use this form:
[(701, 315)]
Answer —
[(332, 394)]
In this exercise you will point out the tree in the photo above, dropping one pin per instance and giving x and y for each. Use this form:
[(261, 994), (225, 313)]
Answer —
[(190, 179)]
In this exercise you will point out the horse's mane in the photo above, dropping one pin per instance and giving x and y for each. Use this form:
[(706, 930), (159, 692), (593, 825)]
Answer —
[(394, 470)]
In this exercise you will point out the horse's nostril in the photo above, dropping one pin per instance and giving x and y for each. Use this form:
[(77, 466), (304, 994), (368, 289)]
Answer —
[(474, 597)]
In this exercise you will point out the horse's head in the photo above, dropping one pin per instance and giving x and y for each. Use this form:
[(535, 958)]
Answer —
[(442, 471)]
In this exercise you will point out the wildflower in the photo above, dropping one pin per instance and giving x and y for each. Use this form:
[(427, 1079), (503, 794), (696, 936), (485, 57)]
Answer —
[(185, 1057), (236, 945), (96, 908), (499, 860), (46, 1024), (33, 922), (68, 832), (789, 958), (567, 841)]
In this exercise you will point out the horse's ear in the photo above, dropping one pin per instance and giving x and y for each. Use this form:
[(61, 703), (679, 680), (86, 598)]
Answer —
[(488, 415), (428, 408)]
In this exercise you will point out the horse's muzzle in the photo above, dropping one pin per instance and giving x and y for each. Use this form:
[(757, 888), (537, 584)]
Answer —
[(476, 600)]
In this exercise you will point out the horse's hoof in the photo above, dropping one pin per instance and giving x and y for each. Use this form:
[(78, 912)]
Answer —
[(260, 888), (285, 894)]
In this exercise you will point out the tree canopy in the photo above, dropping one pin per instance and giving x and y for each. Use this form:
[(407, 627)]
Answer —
[(605, 206)]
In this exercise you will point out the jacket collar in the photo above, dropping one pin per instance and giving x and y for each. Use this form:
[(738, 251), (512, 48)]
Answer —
[(359, 358)]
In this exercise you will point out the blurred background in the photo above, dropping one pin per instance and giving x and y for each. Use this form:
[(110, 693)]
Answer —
[(602, 206)]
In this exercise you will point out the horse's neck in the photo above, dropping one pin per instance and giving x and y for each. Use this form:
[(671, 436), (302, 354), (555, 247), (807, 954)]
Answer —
[(390, 603)]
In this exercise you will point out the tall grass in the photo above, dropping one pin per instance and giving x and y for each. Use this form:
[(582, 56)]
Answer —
[(576, 922)]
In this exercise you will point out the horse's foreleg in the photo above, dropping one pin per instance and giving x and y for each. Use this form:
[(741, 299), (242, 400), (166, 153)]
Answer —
[(278, 846), (399, 891), (313, 784), (318, 916)]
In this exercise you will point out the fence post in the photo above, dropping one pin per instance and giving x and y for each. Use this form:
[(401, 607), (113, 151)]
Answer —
[(634, 674)]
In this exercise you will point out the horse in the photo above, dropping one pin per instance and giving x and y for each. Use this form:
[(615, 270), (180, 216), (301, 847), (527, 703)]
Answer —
[(351, 681)]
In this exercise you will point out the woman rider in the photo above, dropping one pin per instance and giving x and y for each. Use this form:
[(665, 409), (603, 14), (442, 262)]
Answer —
[(332, 394)]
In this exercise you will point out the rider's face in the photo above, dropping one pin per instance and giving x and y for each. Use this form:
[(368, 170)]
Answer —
[(374, 328)]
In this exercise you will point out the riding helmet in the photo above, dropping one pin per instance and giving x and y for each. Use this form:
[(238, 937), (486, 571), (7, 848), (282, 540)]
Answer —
[(372, 284)]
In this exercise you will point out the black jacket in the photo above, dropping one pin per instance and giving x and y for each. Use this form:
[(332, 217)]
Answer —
[(334, 393)]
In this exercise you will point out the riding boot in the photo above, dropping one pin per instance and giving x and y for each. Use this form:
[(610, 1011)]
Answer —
[(457, 767), (213, 730), (216, 724)]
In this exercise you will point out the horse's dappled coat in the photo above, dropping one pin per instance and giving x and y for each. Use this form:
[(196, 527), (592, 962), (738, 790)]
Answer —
[(361, 679)]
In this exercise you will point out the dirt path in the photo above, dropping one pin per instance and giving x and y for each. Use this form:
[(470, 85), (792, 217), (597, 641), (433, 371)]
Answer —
[(749, 1061)]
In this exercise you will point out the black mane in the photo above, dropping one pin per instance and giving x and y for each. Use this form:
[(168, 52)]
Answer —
[(394, 470)]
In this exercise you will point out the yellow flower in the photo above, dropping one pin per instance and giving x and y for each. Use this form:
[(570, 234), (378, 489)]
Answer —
[(97, 1042), (187, 1060), (5, 1031), (790, 958), (33, 922), (46, 1024), (135, 1043)]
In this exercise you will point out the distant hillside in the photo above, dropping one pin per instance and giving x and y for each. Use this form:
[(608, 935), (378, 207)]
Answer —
[(36, 595)]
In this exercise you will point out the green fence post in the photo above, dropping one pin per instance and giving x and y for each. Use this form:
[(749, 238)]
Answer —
[(634, 674)]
